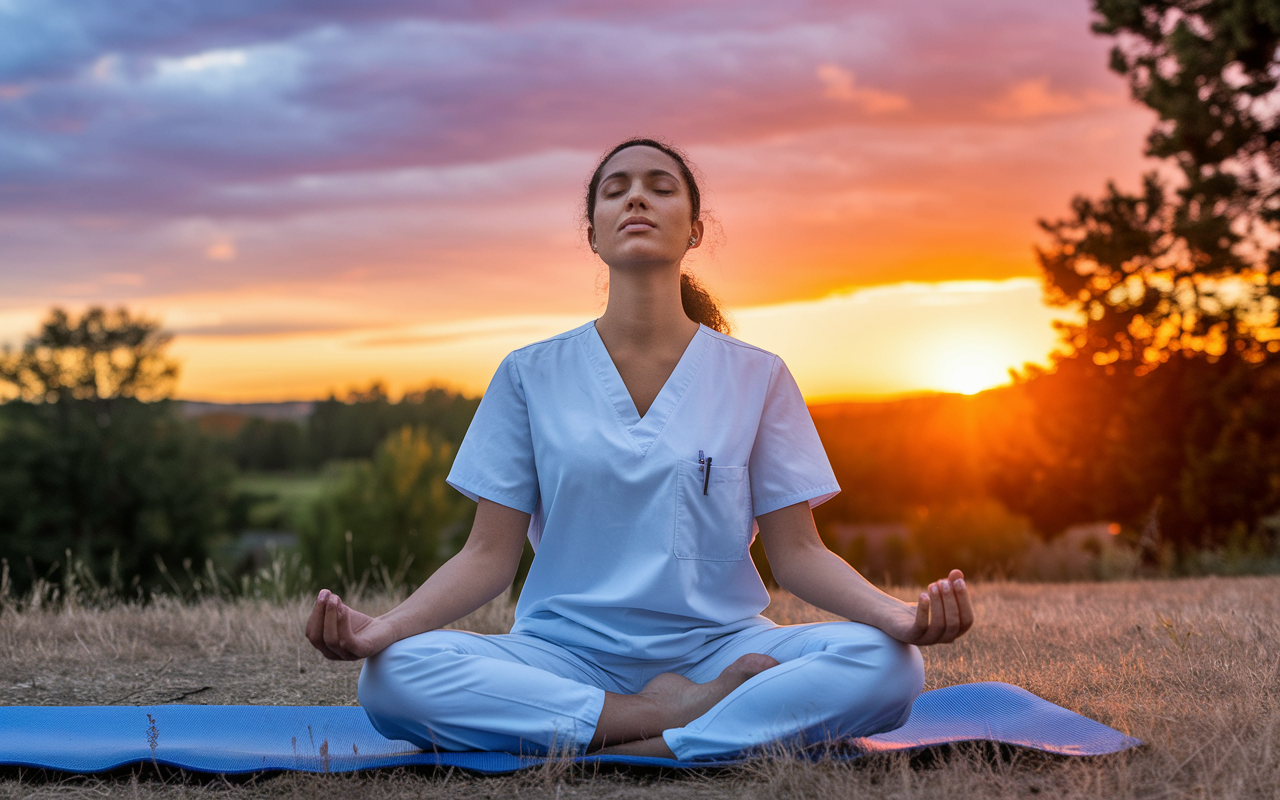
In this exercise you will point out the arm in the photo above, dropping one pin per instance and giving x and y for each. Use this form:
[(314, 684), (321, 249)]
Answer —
[(804, 566), (484, 567)]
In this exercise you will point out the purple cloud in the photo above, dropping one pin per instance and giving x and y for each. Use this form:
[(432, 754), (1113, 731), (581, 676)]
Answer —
[(213, 144)]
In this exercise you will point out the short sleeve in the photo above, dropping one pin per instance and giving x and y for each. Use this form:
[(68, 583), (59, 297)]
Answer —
[(788, 463), (495, 460)]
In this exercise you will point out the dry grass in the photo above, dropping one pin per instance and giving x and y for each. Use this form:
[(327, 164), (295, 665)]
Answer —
[(1190, 666)]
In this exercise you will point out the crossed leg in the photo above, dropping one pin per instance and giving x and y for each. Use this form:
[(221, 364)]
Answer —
[(833, 680), (453, 690), (633, 724)]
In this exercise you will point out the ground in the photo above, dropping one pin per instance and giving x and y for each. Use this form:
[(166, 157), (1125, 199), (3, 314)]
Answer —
[(1192, 667)]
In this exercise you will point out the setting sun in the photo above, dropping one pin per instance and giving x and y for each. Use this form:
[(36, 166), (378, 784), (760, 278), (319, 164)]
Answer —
[(968, 367)]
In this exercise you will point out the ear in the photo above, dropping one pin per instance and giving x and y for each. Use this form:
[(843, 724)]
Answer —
[(591, 236), (696, 231)]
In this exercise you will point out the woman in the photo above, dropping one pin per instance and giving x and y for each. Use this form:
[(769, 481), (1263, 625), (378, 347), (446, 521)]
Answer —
[(634, 452)]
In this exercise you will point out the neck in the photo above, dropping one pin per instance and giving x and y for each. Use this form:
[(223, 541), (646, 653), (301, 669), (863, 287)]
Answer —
[(644, 307)]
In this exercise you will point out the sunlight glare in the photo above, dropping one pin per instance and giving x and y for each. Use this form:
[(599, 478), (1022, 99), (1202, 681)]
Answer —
[(969, 367)]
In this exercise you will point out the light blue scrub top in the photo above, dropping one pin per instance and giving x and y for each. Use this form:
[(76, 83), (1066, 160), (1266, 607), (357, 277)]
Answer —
[(632, 556)]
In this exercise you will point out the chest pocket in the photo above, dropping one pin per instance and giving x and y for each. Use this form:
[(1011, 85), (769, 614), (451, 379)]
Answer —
[(715, 526)]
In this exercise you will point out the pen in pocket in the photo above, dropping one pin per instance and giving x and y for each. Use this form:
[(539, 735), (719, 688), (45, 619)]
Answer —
[(706, 473)]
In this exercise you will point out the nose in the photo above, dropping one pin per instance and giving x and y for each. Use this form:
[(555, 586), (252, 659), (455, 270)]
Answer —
[(636, 197)]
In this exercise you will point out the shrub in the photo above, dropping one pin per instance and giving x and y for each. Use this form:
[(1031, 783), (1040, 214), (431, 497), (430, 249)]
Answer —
[(116, 484), (980, 537), (394, 512)]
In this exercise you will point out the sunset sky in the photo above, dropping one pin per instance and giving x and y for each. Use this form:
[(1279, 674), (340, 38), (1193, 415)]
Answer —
[(315, 194)]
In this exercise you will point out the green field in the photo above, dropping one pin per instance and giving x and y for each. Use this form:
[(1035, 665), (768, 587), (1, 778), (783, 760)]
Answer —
[(274, 497)]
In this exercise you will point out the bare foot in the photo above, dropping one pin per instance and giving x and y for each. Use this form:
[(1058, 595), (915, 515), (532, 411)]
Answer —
[(685, 700), (633, 724), (669, 701)]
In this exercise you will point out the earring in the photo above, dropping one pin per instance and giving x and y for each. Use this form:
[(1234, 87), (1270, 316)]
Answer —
[(693, 240), (593, 246)]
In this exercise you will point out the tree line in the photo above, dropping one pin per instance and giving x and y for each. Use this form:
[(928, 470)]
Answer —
[(99, 466), (336, 428)]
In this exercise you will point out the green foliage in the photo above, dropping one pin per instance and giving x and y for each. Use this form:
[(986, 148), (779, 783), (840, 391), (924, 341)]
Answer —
[(117, 487), (87, 469), (270, 445), (336, 429), (273, 500), (353, 427), (395, 512)]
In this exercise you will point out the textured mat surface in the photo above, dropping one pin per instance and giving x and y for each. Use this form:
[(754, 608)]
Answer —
[(239, 739)]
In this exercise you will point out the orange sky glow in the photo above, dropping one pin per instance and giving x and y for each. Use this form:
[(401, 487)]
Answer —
[(875, 185)]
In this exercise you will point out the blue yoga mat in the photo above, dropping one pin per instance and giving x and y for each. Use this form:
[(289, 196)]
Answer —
[(240, 739)]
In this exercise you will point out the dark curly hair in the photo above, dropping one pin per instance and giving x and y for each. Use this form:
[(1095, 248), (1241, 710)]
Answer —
[(698, 303)]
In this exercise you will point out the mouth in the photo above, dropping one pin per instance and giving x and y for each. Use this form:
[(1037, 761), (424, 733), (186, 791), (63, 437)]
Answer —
[(631, 224)]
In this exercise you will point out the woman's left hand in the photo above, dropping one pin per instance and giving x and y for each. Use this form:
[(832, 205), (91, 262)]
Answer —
[(942, 615)]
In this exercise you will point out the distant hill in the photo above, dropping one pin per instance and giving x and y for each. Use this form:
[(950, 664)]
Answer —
[(297, 410), (896, 457)]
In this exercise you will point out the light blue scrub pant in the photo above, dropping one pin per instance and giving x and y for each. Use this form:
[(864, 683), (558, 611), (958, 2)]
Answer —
[(453, 690)]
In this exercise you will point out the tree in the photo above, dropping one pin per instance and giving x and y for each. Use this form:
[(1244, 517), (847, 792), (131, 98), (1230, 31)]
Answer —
[(87, 465), (1145, 417), (353, 427), (102, 356), (1190, 263)]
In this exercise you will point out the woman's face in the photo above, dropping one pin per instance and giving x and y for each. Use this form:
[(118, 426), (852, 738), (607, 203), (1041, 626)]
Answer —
[(643, 210)]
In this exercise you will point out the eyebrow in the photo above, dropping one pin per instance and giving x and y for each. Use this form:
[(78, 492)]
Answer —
[(653, 173)]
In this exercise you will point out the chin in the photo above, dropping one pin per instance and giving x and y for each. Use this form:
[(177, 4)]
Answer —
[(644, 257)]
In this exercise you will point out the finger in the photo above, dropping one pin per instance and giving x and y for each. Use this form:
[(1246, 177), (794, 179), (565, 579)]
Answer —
[(936, 616), (951, 612), (315, 626), (965, 604), (331, 638)]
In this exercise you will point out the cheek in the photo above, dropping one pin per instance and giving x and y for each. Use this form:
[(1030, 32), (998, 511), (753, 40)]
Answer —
[(677, 218), (599, 218)]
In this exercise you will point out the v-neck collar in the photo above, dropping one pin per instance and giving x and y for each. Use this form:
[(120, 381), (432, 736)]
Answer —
[(644, 430)]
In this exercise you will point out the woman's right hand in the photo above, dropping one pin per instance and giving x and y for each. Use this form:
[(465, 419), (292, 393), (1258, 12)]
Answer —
[(343, 634)]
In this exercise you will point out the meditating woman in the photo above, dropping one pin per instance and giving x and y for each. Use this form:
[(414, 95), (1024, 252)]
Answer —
[(640, 453)]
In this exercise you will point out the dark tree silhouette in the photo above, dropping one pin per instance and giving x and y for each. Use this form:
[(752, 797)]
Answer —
[(1190, 263), (1161, 412)]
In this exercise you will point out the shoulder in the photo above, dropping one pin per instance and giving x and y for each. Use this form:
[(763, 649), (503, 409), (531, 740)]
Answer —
[(553, 342), (741, 353), (546, 352)]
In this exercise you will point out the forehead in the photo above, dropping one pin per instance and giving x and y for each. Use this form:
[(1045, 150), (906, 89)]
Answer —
[(639, 160)]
